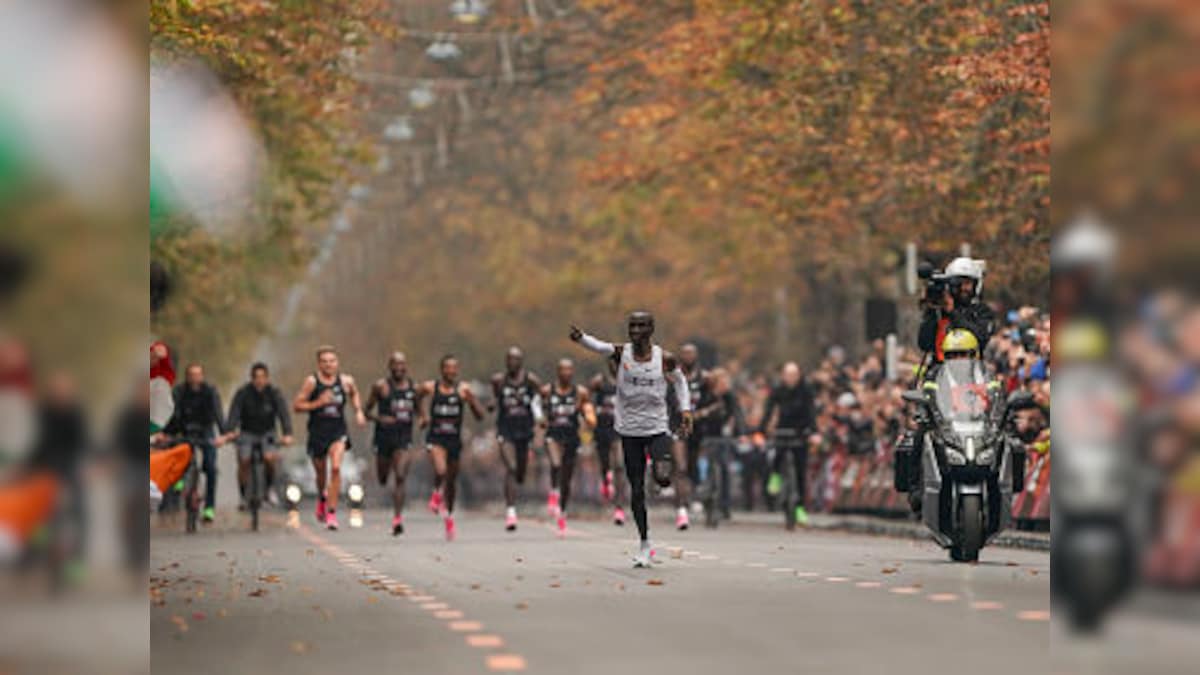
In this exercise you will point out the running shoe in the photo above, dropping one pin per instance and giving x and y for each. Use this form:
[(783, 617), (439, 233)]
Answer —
[(208, 514), (510, 520), (552, 504), (681, 519), (397, 525), (435, 502), (775, 484), (645, 555), (801, 516), (331, 520), (320, 512), (618, 516), (562, 526), (451, 532)]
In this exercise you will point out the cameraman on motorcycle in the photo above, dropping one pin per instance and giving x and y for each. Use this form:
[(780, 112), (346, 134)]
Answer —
[(954, 316)]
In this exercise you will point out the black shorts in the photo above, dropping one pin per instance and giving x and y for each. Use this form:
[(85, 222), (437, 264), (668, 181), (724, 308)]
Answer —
[(519, 441), (320, 440), (605, 437), (452, 444), (388, 442), (569, 440)]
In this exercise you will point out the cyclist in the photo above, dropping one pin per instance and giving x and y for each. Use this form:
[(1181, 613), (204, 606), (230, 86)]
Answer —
[(197, 412), (257, 409), (791, 404)]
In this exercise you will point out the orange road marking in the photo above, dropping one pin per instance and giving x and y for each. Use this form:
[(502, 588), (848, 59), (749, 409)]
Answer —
[(434, 605), (1034, 615), (506, 662), (906, 590), (448, 614), (465, 626), (986, 605), (485, 641), (868, 584), (942, 597)]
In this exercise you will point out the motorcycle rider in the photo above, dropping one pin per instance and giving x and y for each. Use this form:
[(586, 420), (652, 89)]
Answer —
[(953, 305)]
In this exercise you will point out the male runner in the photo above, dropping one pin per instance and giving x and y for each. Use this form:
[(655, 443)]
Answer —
[(323, 396), (687, 451), (444, 441), (608, 448), (566, 402), (392, 405), (515, 392), (642, 371)]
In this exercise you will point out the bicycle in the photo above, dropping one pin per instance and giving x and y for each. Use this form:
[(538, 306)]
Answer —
[(790, 496), (190, 494), (711, 489), (256, 488)]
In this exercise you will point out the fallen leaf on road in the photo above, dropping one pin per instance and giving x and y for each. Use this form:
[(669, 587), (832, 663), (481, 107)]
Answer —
[(270, 578), (1010, 563), (221, 554), (200, 594), (1033, 572), (308, 551), (179, 622), (257, 593), (199, 616), (889, 570), (522, 605), (222, 612), (475, 587), (372, 600), (654, 582), (301, 647), (556, 585), (620, 587)]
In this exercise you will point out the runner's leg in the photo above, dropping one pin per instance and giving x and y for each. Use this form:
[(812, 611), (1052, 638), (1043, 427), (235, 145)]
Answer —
[(679, 455), (554, 451), (634, 450), (437, 455), (451, 482), (508, 455), (401, 460), (336, 450), (568, 469)]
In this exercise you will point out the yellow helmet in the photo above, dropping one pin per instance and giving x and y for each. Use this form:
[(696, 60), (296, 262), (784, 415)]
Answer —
[(1081, 341), (959, 340)]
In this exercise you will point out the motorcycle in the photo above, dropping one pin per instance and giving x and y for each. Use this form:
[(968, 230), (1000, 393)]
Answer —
[(970, 462), (1097, 509)]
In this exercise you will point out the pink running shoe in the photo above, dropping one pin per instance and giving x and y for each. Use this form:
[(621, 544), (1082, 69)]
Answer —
[(562, 526), (435, 502), (320, 512), (331, 520), (451, 532), (397, 525), (510, 522), (552, 504), (681, 520), (618, 516)]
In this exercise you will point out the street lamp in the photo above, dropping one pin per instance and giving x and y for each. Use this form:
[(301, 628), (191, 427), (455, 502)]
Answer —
[(398, 129), (421, 96), (443, 50), (469, 11)]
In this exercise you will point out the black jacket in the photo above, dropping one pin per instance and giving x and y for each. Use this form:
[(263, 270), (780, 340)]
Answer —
[(975, 317), (196, 412), (256, 412), (795, 405)]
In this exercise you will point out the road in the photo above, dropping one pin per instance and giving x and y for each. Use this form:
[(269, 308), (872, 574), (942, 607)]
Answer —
[(305, 600)]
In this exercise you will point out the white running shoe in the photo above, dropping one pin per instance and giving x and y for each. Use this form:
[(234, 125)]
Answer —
[(645, 555)]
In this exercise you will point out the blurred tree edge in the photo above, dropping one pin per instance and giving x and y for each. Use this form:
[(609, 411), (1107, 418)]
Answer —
[(285, 66)]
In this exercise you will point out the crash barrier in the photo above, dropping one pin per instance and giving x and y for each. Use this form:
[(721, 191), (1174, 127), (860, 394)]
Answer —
[(1173, 558), (168, 466), (863, 484)]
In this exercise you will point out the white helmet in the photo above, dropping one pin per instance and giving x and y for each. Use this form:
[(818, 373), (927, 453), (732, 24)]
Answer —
[(971, 268), (1085, 242)]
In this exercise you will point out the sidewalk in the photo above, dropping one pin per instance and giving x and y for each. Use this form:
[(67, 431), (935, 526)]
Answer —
[(887, 527)]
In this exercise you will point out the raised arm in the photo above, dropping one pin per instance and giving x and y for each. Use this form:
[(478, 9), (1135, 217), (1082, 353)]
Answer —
[(592, 343)]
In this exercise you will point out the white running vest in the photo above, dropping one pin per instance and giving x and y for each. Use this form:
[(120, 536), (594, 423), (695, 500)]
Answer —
[(641, 408)]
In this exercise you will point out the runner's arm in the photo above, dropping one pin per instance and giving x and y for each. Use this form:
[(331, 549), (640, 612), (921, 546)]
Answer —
[(301, 402), (356, 401), (468, 395), (372, 399), (592, 343), (586, 407)]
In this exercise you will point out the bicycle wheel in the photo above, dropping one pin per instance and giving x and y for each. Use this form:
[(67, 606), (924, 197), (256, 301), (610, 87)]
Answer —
[(788, 494), (191, 496), (257, 483)]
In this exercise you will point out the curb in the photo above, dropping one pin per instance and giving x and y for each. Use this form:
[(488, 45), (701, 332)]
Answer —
[(1032, 541)]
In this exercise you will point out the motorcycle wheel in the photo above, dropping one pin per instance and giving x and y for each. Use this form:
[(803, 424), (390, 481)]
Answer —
[(971, 533)]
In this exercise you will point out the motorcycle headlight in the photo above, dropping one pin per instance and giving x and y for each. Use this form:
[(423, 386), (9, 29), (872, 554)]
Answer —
[(292, 494), (954, 457), (355, 493), (986, 456)]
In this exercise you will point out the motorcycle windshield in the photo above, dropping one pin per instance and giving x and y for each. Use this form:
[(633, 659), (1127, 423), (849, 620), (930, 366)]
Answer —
[(962, 396)]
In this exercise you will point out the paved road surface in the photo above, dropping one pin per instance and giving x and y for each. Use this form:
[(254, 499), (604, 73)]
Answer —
[(310, 601)]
